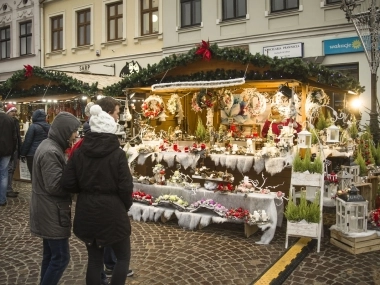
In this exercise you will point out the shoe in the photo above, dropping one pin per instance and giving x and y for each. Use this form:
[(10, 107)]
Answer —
[(105, 282), (12, 195), (3, 204), (108, 271), (130, 273)]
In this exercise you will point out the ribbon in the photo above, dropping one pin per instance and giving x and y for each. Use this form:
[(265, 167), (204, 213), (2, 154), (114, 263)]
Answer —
[(204, 50)]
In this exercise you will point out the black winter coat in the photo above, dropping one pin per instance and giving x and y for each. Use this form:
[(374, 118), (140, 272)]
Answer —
[(99, 172), (36, 133), (8, 136)]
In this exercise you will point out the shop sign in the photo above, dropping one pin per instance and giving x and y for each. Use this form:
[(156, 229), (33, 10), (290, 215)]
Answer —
[(283, 51), (344, 45), (84, 68), (129, 68)]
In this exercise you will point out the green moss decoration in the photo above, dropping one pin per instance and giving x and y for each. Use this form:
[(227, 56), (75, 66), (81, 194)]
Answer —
[(304, 211)]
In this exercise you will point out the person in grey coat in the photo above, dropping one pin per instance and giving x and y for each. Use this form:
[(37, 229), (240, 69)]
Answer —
[(50, 206)]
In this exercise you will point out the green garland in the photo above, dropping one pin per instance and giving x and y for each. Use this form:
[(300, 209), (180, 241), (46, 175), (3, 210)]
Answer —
[(67, 84), (294, 68)]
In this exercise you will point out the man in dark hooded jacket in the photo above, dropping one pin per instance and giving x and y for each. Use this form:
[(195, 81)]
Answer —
[(50, 206), (36, 133)]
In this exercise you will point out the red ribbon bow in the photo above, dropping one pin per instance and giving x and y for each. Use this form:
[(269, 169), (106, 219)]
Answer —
[(204, 50), (28, 70)]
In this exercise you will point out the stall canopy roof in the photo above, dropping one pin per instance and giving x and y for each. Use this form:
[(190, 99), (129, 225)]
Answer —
[(38, 99)]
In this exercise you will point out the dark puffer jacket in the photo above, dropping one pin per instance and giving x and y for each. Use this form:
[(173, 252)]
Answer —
[(36, 133), (99, 172), (50, 206)]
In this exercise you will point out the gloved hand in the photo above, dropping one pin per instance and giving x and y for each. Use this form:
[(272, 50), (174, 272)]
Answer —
[(23, 159)]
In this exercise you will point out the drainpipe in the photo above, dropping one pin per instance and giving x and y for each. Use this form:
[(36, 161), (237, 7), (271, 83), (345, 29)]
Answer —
[(42, 35)]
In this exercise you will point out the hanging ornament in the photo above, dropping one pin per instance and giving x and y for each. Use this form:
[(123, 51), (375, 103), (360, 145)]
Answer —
[(154, 108), (175, 106)]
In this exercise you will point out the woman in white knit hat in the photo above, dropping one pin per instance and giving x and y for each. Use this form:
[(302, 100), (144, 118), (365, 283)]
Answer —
[(98, 171)]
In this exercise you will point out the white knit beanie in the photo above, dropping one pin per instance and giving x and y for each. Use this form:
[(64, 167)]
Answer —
[(101, 122)]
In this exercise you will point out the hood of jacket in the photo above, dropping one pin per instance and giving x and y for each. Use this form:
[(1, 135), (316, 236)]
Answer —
[(62, 128), (39, 116), (99, 144)]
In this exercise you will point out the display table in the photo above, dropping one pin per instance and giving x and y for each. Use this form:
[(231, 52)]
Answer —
[(250, 202)]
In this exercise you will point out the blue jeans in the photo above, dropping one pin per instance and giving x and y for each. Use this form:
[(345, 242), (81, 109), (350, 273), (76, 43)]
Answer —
[(109, 259), (4, 161), (56, 257)]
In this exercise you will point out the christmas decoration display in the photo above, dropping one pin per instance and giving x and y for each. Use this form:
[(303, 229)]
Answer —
[(237, 214), (374, 217), (28, 70), (304, 211), (365, 150), (153, 108), (173, 200), (175, 106), (142, 197)]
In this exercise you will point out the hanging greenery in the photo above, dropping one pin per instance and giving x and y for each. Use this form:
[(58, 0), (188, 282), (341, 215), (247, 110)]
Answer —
[(67, 84), (293, 68)]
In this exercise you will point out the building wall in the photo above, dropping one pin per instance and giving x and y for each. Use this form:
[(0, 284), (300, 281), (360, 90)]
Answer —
[(311, 24), (94, 57), (17, 12)]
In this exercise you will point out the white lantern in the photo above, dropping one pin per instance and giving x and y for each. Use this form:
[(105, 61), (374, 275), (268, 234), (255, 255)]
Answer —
[(353, 169), (351, 212), (332, 134), (304, 139), (344, 179)]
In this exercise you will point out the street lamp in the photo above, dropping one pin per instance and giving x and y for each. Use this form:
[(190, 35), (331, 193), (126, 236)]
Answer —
[(367, 25)]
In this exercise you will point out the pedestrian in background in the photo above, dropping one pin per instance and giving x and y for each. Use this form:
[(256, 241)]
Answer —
[(37, 132), (50, 206), (8, 143), (12, 112), (104, 196)]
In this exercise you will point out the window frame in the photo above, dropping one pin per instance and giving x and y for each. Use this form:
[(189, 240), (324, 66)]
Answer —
[(191, 13), (5, 40), (87, 22), (26, 36), (285, 9), (59, 30), (116, 17), (235, 9), (328, 2), (149, 11)]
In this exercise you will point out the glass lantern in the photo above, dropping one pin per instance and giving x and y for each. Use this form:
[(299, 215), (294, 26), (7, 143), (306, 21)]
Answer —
[(304, 139), (344, 179), (353, 169), (351, 212), (332, 134)]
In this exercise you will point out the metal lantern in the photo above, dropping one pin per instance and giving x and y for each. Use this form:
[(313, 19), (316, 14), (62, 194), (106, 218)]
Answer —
[(351, 212), (353, 169), (344, 179), (304, 139), (332, 134)]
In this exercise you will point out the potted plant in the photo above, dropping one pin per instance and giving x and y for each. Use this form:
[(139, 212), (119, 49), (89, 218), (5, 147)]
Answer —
[(304, 170), (303, 219)]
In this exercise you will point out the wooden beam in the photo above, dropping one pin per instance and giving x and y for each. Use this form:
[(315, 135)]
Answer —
[(305, 90)]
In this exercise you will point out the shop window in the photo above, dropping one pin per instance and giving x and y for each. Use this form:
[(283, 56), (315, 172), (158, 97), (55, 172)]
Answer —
[(149, 17), (115, 21), (283, 5), (84, 27), (57, 33), (5, 42), (191, 13), (26, 38), (233, 9), (333, 2)]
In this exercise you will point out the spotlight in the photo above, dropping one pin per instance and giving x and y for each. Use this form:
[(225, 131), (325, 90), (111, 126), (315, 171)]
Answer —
[(84, 98), (285, 90), (99, 97)]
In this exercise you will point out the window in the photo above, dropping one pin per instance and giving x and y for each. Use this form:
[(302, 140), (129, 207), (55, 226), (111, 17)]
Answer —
[(282, 5), (5, 42), (57, 33), (149, 17), (26, 38), (115, 21), (190, 13), (234, 9), (333, 1), (84, 27)]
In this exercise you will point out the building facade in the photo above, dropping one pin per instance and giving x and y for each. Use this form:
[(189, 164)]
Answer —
[(19, 36), (314, 30), (101, 37)]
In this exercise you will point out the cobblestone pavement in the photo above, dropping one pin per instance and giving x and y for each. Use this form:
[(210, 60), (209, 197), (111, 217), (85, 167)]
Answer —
[(161, 253)]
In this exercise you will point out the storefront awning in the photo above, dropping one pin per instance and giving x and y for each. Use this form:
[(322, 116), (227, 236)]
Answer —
[(47, 99)]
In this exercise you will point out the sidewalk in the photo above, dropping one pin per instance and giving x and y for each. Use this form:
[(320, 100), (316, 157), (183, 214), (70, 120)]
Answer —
[(164, 254)]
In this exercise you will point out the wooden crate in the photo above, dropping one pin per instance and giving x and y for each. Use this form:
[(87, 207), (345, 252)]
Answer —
[(355, 245)]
